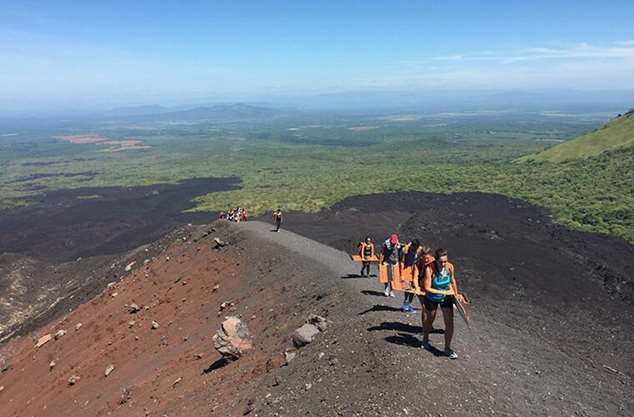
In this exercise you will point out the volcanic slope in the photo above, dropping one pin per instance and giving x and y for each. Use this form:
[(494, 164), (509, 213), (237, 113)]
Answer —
[(518, 359), (617, 134)]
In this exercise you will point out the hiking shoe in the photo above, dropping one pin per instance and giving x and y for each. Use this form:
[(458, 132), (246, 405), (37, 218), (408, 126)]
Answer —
[(451, 354), (392, 294), (386, 292), (425, 345)]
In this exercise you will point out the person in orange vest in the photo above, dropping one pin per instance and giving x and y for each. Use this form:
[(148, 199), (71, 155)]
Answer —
[(366, 250), (391, 254), (411, 256)]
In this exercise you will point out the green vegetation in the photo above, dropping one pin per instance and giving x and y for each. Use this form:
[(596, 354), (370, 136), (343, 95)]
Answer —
[(619, 133), (311, 164)]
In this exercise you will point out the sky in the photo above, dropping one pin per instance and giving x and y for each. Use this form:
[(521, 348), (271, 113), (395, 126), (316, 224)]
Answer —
[(78, 54)]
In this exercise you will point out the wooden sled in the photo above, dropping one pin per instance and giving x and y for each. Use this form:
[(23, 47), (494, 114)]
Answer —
[(402, 277), (409, 273), (461, 311), (383, 273), (358, 258)]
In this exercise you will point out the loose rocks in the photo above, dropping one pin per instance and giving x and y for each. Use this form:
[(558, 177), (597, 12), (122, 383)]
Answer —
[(289, 355), (219, 243), (233, 339), (109, 370), (73, 379), (59, 334), (43, 340), (304, 335), (5, 365), (134, 308), (318, 321)]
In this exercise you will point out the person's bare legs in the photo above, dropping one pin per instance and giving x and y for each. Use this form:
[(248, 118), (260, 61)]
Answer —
[(447, 315), (428, 318)]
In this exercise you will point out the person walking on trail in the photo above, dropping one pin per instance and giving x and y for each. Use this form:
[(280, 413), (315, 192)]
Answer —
[(391, 255), (277, 218), (411, 255), (425, 260), (440, 288), (366, 251)]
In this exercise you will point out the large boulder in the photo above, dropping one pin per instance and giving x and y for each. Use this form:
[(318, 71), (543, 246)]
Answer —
[(305, 335), (232, 339)]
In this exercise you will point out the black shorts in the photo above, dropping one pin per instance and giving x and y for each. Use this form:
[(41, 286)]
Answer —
[(433, 305)]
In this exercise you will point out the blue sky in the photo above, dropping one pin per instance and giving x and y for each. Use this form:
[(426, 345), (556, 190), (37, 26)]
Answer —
[(102, 53)]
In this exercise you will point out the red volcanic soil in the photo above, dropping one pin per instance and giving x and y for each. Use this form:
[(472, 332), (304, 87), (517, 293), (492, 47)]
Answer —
[(74, 237), (82, 139), (156, 371)]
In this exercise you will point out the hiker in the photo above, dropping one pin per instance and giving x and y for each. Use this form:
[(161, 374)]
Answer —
[(366, 250), (425, 260), (411, 255), (440, 288), (277, 218), (245, 215), (391, 255)]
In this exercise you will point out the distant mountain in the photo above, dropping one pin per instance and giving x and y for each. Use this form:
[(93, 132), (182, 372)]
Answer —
[(440, 100), (138, 110), (617, 134), (221, 112)]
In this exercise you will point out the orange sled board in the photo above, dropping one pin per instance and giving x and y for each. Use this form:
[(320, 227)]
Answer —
[(358, 258), (383, 273), (409, 273)]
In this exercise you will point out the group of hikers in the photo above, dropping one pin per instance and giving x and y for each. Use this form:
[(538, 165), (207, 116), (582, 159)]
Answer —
[(429, 276), (238, 214)]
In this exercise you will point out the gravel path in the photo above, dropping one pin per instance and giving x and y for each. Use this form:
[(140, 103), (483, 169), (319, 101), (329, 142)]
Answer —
[(374, 365), (337, 262)]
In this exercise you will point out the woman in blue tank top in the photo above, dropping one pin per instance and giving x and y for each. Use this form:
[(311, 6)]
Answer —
[(440, 289)]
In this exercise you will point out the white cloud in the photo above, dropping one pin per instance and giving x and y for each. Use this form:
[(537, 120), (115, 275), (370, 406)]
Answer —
[(580, 51)]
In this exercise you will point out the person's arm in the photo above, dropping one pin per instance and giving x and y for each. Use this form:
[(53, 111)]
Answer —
[(372, 254), (421, 274), (427, 284), (454, 285), (361, 246)]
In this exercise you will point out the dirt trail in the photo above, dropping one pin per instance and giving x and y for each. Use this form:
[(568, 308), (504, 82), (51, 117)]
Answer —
[(504, 368)]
